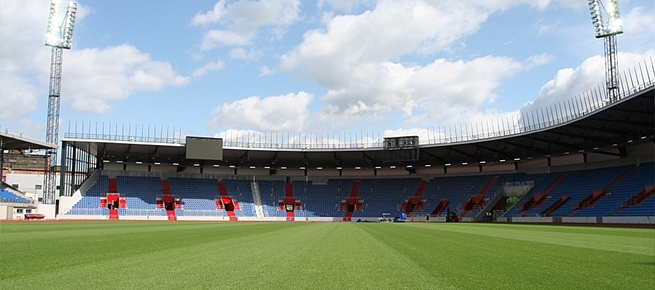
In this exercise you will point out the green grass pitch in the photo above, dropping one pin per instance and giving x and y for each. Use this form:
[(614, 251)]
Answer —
[(219, 255)]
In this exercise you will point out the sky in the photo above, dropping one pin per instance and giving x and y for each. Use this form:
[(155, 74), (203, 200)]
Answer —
[(390, 67)]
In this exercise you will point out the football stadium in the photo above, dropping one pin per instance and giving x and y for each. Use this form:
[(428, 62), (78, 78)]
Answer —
[(563, 197)]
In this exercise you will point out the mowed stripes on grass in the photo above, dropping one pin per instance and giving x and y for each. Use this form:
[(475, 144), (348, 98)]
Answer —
[(207, 255)]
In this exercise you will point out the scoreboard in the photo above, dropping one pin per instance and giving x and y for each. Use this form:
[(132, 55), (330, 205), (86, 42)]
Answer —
[(401, 149), (204, 148)]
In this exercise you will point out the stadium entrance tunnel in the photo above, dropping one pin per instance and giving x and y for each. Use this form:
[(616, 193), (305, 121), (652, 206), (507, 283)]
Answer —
[(412, 204), (351, 205), (170, 204), (228, 204), (112, 202), (289, 204)]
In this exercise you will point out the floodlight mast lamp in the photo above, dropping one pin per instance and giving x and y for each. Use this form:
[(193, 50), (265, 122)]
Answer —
[(608, 31), (59, 37)]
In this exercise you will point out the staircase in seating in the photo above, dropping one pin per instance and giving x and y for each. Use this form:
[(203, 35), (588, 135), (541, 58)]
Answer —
[(478, 200), (171, 215), (598, 195), (288, 197), (165, 187), (440, 207), (421, 189), (113, 214), (113, 188), (637, 199), (414, 203), (225, 198), (351, 200), (166, 190), (562, 200), (538, 199)]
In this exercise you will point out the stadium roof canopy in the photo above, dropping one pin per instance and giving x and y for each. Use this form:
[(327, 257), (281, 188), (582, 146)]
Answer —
[(10, 141), (610, 130)]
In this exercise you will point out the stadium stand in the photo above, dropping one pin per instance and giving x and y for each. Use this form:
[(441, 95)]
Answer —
[(618, 195), (270, 192), (90, 203), (242, 196), (197, 196), (140, 195), (628, 191), (8, 196), (537, 195), (322, 200), (575, 185), (645, 208), (456, 190), (385, 195)]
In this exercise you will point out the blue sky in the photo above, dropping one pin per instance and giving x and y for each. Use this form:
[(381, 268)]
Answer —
[(389, 67)]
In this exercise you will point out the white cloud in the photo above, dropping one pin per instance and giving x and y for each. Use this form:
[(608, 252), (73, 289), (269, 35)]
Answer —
[(570, 82), (23, 55), (422, 133), (241, 136), (18, 95), (215, 38), (264, 70), (638, 21), (442, 88), (210, 66), (211, 16), (253, 138), (355, 58), (639, 30), (113, 73), (544, 28), (249, 56), (90, 76), (241, 21), (391, 30), (274, 114), (539, 59), (345, 5), (27, 128)]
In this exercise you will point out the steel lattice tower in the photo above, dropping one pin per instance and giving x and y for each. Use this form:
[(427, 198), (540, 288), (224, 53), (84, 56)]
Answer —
[(606, 26), (611, 68), (59, 37), (52, 127)]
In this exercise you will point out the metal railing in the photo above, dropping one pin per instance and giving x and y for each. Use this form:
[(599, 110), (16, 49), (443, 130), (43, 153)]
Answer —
[(632, 81)]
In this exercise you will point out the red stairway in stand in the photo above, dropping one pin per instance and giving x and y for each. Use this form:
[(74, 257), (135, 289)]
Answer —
[(165, 187), (288, 199), (113, 200), (598, 195), (227, 203), (421, 189), (538, 199), (167, 198), (352, 203), (478, 200), (562, 200), (113, 187), (113, 214), (414, 203), (440, 207), (289, 204), (638, 198)]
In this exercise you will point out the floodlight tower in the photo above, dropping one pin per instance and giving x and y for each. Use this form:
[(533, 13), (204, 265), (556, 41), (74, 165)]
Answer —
[(59, 37), (607, 30)]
